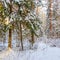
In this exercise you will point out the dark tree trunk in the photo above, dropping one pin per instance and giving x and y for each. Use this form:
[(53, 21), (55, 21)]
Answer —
[(32, 37), (10, 38), (21, 35), (10, 31)]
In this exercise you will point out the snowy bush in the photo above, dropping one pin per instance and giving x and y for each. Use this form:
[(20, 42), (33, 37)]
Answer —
[(41, 46)]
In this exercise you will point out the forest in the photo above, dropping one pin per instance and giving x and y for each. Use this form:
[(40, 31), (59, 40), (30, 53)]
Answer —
[(29, 29)]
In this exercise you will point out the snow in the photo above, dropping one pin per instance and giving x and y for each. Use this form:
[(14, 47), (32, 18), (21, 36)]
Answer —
[(42, 52)]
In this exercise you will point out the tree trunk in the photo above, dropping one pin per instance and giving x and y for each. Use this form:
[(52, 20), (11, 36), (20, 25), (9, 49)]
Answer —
[(10, 38), (32, 37), (10, 31), (21, 36), (50, 14)]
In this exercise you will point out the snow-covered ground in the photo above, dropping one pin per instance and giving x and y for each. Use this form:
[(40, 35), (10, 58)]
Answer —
[(40, 51)]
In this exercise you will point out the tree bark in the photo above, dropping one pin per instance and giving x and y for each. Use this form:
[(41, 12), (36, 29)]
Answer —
[(10, 38), (10, 31), (21, 36), (50, 14), (32, 37)]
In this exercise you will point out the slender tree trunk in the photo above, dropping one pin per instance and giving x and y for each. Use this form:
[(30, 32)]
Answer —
[(50, 14), (32, 37), (10, 31), (10, 38), (21, 35)]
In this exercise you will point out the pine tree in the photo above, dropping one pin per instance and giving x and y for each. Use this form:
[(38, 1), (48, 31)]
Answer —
[(23, 16)]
